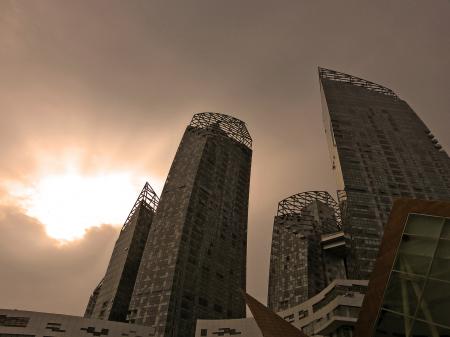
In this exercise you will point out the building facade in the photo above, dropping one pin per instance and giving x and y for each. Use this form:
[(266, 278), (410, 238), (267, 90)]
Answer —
[(409, 290), (194, 263), (93, 300), (111, 298), (308, 249), (333, 312), (20, 323), (380, 150)]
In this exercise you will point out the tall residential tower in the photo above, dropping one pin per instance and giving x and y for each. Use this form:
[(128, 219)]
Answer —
[(380, 150), (194, 263), (308, 249), (111, 298)]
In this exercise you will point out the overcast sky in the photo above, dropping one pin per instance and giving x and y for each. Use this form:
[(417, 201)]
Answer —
[(118, 81)]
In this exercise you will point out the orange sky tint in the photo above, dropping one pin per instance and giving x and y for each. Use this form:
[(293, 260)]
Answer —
[(113, 84), (90, 201)]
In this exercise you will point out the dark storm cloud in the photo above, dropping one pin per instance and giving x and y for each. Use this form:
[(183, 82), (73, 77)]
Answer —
[(40, 274), (122, 79)]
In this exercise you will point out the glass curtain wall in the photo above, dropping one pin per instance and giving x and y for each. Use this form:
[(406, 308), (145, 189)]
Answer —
[(417, 299)]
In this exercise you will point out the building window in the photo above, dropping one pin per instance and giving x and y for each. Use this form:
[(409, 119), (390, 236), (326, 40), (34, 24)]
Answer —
[(218, 308), (289, 318), (302, 314), (202, 301), (418, 292), (20, 322)]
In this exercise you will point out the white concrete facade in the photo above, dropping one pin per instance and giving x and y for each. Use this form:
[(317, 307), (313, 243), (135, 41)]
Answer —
[(336, 307), (244, 327), (39, 324)]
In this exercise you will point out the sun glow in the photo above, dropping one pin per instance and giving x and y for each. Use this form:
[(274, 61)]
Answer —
[(70, 203)]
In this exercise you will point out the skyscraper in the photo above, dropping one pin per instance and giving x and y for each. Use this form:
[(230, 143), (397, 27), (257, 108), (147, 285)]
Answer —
[(195, 259), (380, 150), (111, 298), (93, 300), (308, 249)]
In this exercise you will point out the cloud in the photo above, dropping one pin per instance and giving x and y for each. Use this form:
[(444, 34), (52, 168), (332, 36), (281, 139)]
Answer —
[(38, 273), (120, 81)]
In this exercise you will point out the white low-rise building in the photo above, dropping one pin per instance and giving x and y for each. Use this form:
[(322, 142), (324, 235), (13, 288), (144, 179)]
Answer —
[(332, 313), (19, 323), (244, 327)]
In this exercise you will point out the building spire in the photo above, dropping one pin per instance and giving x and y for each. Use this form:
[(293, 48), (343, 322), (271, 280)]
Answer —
[(146, 198)]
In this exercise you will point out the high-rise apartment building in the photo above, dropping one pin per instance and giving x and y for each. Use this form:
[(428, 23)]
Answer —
[(194, 263), (111, 298), (93, 300), (308, 249), (380, 150)]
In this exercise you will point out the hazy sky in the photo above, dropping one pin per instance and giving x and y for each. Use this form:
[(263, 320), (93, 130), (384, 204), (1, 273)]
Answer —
[(91, 88)]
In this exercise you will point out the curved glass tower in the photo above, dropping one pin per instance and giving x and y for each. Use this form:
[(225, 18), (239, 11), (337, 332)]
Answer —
[(380, 150), (195, 257)]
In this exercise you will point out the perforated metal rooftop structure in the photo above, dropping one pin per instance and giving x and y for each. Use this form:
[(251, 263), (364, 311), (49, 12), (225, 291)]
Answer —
[(334, 75), (232, 127), (147, 198), (297, 202)]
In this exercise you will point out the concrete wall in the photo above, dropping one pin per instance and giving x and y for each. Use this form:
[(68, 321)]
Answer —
[(39, 324)]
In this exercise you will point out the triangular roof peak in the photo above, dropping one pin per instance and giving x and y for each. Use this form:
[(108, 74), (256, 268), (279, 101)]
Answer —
[(147, 198)]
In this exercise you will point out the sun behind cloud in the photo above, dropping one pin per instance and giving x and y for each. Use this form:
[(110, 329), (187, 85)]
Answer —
[(69, 203)]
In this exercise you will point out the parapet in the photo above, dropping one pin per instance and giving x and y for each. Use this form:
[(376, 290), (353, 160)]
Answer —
[(297, 202), (333, 75), (232, 127)]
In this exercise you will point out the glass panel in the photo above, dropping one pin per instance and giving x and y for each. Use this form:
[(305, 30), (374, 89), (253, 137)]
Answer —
[(446, 230), (392, 325), (440, 268), (422, 329), (415, 254), (424, 225), (403, 292), (435, 303)]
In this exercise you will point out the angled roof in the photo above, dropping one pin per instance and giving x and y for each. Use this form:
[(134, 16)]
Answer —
[(333, 75), (270, 324)]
